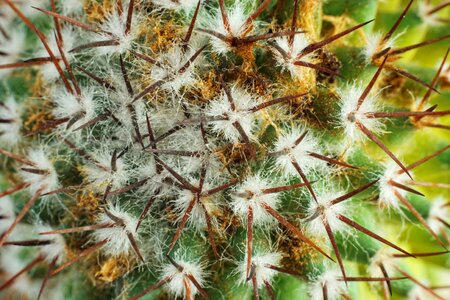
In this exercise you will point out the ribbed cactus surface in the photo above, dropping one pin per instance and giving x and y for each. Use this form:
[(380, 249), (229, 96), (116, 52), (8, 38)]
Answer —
[(224, 149)]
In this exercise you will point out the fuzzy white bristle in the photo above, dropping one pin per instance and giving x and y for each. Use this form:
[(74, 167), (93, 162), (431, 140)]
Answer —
[(300, 42), (387, 195), (7, 213), (438, 212), (70, 105), (176, 285), (180, 5), (10, 131), (260, 266), (385, 258), (46, 182), (288, 152), (349, 99), (221, 107), (11, 49), (118, 242), (324, 209), (71, 7), (329, 279), (429, 19), (56, 250), (375, 44), (250, 194)]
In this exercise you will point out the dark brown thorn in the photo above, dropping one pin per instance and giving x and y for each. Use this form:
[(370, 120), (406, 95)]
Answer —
[(429, 184), (380, 144), (129, 187), (412, 77), (423, 254), (415, 46), (79, 229), (176, 152), (274, 102), (134, 245), (371, 84), (284, 188), (335, 247), (215, 34), (169, 132), (198, 286), (146, 58), (445, 223), (419, 217), (20, 216), (146, 209), (97, 44), (370, 233), (294, 23), (220, 188), (17, 158), (59, 44), (285, 271), (317, 67), (433, 82), (43, 39), (152, 288), (313, 47), (14, 189), (435, 125), (249, 241), (97, 79), (129, 17), (95, 120), (304, 178), (331, 160), (201, 120), (63, 190), (402, 114), (346, 296), (255, 288), (183, 222), (35, 171), (439, 7), (149, 89), (28, 267), (324, 292), (191, 25), (48, 124), (293, 229), (187, 289), (227, 93), (80, 255), (28, 63), (226, 22), (260, 37), (405, 188), (29, 243), (119, 7), (386, 276), (191, 60), (134, 121), (126, 79), (370, 279), (397, 22), (248, 23), (210, 231), (73, 21), (78, 116), (269, 290), (84, 154), (425, 159), (46, 277), (177, 176), (427, 289)]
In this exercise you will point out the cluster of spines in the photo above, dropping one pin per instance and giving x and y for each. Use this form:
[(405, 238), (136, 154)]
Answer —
[(186, 170)]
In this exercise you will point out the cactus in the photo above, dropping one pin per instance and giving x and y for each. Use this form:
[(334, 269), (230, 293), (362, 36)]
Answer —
[(224, 149)]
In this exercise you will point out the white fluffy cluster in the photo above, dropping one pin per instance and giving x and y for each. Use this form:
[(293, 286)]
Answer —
[(375, 44), (11, 48), (260, 264), (438, 211), (185, 6), (10, 131), (329, 280), (387, 196), (385, 258)]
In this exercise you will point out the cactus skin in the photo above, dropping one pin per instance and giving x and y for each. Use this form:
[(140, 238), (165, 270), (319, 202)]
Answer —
[(159, 149)]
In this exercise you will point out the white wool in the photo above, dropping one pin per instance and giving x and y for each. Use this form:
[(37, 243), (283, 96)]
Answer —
[(27, 7), (176, 284), (181, 5), (260, 264), (116, 24), (10, 134), (333, 286), (250, 194), (376, 44), (438, 211), (328, 212), (7, 213), (56, 250), (349, 99), (171, 63), (288, 152), (70, 37), (12, 47), (69, 105), (428, 19), (387, 196), (300, 42), (70, 7), (221, 107), (40, 182), (117, 236), (384, 257)]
